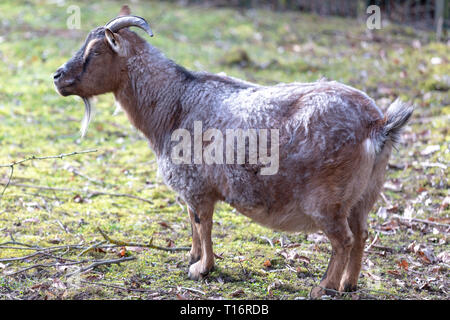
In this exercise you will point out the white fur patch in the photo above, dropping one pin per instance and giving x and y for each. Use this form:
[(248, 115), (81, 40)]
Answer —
[(369, 146)]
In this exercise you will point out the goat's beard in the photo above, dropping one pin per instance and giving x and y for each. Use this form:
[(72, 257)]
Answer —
[(88, 114)]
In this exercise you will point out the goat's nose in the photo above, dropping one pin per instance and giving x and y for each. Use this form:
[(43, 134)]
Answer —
[(57, 74)]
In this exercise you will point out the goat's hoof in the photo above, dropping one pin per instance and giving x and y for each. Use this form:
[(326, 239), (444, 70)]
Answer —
[(349, 287), (197, 271), (318, 292), (193, 259)]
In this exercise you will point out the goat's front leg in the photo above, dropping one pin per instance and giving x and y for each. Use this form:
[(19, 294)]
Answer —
[(202, 223), (341, 238), (196, 249)]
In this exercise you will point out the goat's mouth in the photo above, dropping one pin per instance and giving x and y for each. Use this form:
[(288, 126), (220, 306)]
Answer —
[(64, 88)]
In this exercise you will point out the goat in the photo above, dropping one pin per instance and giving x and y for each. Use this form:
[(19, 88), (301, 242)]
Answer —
[(333, 148)]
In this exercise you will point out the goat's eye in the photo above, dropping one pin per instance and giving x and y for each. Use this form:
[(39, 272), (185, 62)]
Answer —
[(96, 53)]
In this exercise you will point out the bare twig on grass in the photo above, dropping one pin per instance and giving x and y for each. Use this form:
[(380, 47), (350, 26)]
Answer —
[(89, 193), (12, 164), (422, 221), (60, 156), (80, 174), (135, 244), (93, 247), (101, 193), (375, 239), (118, 287), (40, 265), (100, 263), (188, 289)]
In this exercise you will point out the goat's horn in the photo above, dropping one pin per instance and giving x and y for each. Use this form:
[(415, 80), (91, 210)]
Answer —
[(128, 21)]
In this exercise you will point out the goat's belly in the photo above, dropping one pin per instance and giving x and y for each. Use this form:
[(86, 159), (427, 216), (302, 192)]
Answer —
[(290, 218)]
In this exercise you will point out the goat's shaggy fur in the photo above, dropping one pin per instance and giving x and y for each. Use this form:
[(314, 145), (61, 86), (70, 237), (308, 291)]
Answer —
[(334, 145)]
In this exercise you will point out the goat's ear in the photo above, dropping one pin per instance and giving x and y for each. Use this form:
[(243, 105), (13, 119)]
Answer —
[(113, 40), (124, 11)]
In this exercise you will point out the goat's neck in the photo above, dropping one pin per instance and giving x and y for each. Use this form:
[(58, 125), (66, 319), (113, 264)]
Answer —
[(151, 97)]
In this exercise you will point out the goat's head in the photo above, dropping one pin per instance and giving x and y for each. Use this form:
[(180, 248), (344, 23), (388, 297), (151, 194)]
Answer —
[(99, 65)]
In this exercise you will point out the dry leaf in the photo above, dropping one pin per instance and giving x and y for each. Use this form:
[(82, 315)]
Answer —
[(164, 225), (373, 276), (237, 293), (181, 297), (267, 263), (394, 272), (403, 264)]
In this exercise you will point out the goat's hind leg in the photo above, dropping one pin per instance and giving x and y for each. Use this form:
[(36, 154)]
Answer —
[(341, 238), (358, 224)]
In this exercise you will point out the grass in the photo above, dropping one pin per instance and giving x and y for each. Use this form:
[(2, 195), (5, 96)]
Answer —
[(392, 62)]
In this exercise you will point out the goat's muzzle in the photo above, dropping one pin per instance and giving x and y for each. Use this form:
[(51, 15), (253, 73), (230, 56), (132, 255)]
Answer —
[(61, 83)]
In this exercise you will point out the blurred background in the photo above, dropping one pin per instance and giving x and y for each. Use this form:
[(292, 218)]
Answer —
[(54, 203)]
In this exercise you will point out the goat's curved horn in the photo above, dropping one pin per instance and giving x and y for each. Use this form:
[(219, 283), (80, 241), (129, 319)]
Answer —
[(128, 21)]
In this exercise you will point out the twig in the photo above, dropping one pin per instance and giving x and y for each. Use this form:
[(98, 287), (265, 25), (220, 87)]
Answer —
[(268, 240), (145, 245), (61, 225), (116, 286), (9, 181), (383, 196), (101, 193), (192, 290), (22, 258), (100, 263), (39, 251), (78, 173), (40, 265), (375, 239), (12, 164), (60, 156), (90, 193), (421, 221), (94, 246)]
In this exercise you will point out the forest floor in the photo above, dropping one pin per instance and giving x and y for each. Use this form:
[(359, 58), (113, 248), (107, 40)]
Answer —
[(51, 211)]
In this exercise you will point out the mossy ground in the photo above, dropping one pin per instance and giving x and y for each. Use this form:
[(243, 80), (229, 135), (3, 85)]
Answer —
[(281, 47)]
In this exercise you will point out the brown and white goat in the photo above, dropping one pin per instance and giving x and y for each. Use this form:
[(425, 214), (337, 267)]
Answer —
[(334, 143)]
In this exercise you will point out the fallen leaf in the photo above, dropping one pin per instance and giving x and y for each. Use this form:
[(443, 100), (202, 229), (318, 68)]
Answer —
[(78, 199), (164, 225), (267, 263), (393, 209), (181, 297), (394, 272), (237, 293), (403, 264)]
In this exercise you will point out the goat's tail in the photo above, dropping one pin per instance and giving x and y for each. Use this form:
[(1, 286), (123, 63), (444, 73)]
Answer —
[(397, 115)]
